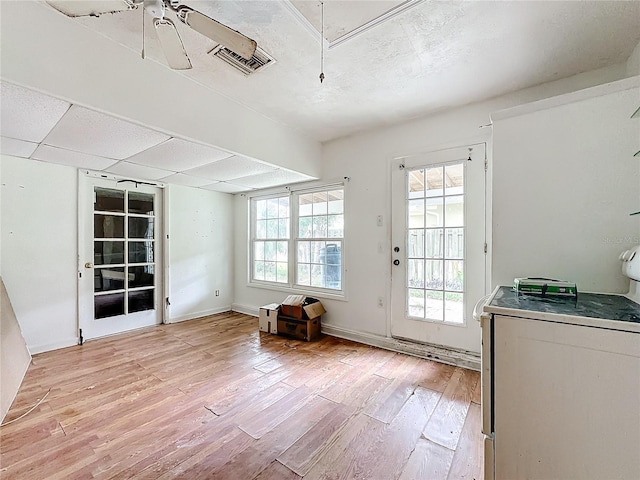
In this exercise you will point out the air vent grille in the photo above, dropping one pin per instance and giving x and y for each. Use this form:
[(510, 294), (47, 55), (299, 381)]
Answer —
[(258, 62)]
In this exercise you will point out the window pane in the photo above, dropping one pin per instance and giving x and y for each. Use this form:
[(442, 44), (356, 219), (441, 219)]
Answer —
[(282, 272), (140, 227), (283, 207), (331, 258), (433, 274), (305, 227), (107, 253), (415, 244), (416, 213), (107, 200), (455, 242), (316, 276), (336, 201), (434, 305), (270, 271), (454, 279), (415, 273), (141, 203), (282, 252), (416, 184), (270, 251), (105, 279), (454, 307), (108, 226), (261, 229), (416, 303), (454, 178), (273, 208), (320, 227), (454, 213), (304, 274), (434, 181), (305, 204), (434, 212), (320, 203), (258, 251), (141, 276), (109, 305), (258, 270), (434, 243), (336, 226), (261, 209), (141, 300), (141, 252), (272, 228), (304, 252), (283, 228)]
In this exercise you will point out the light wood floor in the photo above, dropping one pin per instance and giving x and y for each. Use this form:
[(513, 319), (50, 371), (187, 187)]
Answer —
[(215, 399)]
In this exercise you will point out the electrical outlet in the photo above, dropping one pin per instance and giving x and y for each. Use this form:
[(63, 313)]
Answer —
[(381, 302), (380, 220)]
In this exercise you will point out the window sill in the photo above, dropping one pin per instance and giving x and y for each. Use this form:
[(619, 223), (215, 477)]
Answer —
[(341, 296)]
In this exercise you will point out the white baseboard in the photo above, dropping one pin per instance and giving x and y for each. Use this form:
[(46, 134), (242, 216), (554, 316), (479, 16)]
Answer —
[(204, 313), (67, 342), (246, 309), (439, 353)]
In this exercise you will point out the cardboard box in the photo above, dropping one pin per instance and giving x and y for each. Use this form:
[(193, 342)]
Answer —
[(299, 329), (301, 307), (269, 318)]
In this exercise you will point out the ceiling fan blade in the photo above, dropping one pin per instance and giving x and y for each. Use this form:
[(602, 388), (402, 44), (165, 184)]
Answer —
[(82, 8), (218, 32), (171, 44)]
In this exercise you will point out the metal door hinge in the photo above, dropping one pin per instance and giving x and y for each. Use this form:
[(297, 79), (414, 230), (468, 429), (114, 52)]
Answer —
[(485, 247), (486, 165)]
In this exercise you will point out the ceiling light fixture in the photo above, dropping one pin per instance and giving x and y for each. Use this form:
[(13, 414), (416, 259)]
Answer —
[(322, 45)]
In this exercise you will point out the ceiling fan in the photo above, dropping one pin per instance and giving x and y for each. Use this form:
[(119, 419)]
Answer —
[(170, 40)]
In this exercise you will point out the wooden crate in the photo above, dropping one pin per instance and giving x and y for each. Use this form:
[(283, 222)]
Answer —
[(299, 329)]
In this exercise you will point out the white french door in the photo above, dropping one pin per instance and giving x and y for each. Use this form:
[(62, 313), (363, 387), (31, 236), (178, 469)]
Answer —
[(438, 242), (120, 271)]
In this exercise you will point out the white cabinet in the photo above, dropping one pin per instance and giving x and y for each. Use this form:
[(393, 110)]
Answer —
[(566, 401)]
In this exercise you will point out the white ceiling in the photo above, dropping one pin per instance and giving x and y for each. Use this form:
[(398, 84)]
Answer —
[(431, 55), (385, 61), (40, 127)]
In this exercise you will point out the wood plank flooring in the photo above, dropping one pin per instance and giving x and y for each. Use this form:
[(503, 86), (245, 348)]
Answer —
[(214, 398)]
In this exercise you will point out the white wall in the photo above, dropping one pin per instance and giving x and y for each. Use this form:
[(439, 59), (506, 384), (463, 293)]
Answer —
[(564, 184), (201, 250), (633, 64), (365, 158), (46, 51), (39, 250)]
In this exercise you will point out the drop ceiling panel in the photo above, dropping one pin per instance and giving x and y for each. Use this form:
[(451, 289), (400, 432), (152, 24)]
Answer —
[(74, 159), (91, 132), (27, 114), (271, 179), (230, 168), (187, 180), (225, 187), (178, 155), (17, 148), (142, 172)]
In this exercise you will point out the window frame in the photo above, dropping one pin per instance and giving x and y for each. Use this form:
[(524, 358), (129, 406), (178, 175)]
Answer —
[(292, 286)]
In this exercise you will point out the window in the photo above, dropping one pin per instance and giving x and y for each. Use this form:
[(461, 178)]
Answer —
[(435, 243), (297, 239)]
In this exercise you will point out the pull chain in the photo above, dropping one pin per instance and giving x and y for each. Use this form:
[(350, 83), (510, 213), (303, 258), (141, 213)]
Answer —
[(322, 46)]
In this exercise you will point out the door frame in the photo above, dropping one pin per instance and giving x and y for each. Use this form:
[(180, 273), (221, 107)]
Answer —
[(483, 139), (162, 293)]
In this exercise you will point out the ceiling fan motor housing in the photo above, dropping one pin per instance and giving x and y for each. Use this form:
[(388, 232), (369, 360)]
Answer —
[(155, 8)]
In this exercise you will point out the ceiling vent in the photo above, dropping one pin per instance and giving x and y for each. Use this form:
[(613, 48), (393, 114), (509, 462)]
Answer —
[(258, 62)]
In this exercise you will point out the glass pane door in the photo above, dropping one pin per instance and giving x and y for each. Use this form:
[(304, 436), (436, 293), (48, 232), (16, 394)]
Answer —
[(123, 252)]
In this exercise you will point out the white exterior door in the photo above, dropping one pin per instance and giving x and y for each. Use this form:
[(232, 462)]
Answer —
[(438, 242), (120, 256)]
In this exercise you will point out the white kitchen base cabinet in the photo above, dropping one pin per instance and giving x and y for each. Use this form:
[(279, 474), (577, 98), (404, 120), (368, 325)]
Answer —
[(566, 401)]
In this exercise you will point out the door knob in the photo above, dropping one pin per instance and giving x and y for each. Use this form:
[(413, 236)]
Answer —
[(88, 265), (396, 262)]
